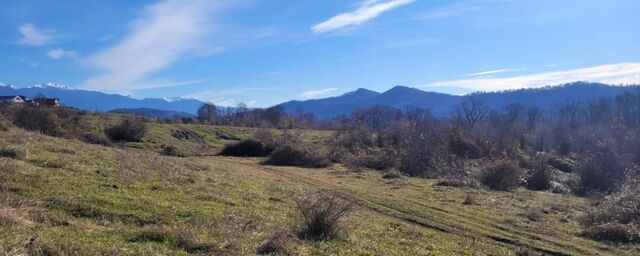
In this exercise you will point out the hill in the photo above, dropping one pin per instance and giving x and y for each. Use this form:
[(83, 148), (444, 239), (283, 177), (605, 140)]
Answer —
[(441, 104)]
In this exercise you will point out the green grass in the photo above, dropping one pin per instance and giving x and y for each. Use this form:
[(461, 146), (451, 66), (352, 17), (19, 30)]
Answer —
[(68, 197)]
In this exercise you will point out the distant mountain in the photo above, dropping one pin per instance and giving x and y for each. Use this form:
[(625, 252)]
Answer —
[(441, 104), (149, 112), (98, 101)]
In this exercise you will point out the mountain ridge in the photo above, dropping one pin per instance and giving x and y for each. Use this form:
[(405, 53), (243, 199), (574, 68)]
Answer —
[(441, 104)]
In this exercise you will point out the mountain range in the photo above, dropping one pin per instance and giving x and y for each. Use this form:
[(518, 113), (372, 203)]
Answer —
[(99, 101), (441, 104), (399, 97)]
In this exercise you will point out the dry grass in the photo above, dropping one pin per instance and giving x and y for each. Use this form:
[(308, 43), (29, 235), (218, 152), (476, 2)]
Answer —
[(123, 200)]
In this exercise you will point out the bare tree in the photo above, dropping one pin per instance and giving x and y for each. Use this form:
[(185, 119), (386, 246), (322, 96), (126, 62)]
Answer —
[(474, 111), (207, 113)]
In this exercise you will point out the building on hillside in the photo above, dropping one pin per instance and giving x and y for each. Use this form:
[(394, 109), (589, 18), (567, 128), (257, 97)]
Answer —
[(48, 102), (13, 99)]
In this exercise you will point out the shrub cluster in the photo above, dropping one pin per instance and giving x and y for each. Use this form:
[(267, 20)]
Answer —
[(247, 148), (130, 129), (617, 218), (502, 175), (39, 119), (289, 155)]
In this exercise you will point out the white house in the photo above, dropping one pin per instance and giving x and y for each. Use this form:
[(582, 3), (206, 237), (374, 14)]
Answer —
[(17, 99)]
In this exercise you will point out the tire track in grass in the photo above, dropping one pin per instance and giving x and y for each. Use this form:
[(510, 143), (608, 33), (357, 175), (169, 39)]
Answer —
[(487, 230)]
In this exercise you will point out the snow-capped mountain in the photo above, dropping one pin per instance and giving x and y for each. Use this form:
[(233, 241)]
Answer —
[(99, 101), (51, 86)]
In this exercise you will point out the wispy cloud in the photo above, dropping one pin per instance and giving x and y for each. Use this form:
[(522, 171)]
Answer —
[(367, 10), (493, 72), (451, 10), (34, 36), (164, 33), (621, 73), (317, 93), (57, 54), (226, 97)]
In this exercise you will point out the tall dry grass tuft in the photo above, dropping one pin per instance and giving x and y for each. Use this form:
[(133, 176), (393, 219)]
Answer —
[(320, 215)]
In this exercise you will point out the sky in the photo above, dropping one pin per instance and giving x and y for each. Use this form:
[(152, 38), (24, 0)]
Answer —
[(264, 52)]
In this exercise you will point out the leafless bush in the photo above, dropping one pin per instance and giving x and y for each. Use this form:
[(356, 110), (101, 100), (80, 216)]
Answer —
[(539, 176), (470, 199), (130, 129), (38, 119), (617, 217), (247, 148), (12, 152), (602, 169), (98, 139), (4, 123), (320, 215), (462, 147), (533, 214), (502, 175), (171, 151), (277, 244), (375, 159), (393, 174), (298, 156), (183, 238)]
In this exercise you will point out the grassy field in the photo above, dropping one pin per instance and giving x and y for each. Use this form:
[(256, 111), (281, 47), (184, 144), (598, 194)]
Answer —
[(63, 196)]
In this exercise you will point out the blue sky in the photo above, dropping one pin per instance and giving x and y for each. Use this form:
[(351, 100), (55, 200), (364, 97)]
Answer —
[(263, 52)]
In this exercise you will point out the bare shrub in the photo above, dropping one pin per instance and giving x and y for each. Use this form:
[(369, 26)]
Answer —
[(602, 169), (181, 238), (533, 214), (462, 147), (503, 175), (320, 215), (617, 217), (130, 129), (4, 123), (389, 175), (539, 176), (94, 138), (562, 164), (171, 151), (38, 119), (298, 156), (11, 152), (470, 199), (375, 159), (247, 148), (277, 244), (264, 135)]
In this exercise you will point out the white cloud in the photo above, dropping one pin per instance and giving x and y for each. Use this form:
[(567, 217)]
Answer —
[(164, 33), (492, 72), (317, 93), (34, 36), (451, 10), (57, 54), (621, 73), (226, 97), (251, 103), (225, 102), (368, 10)]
